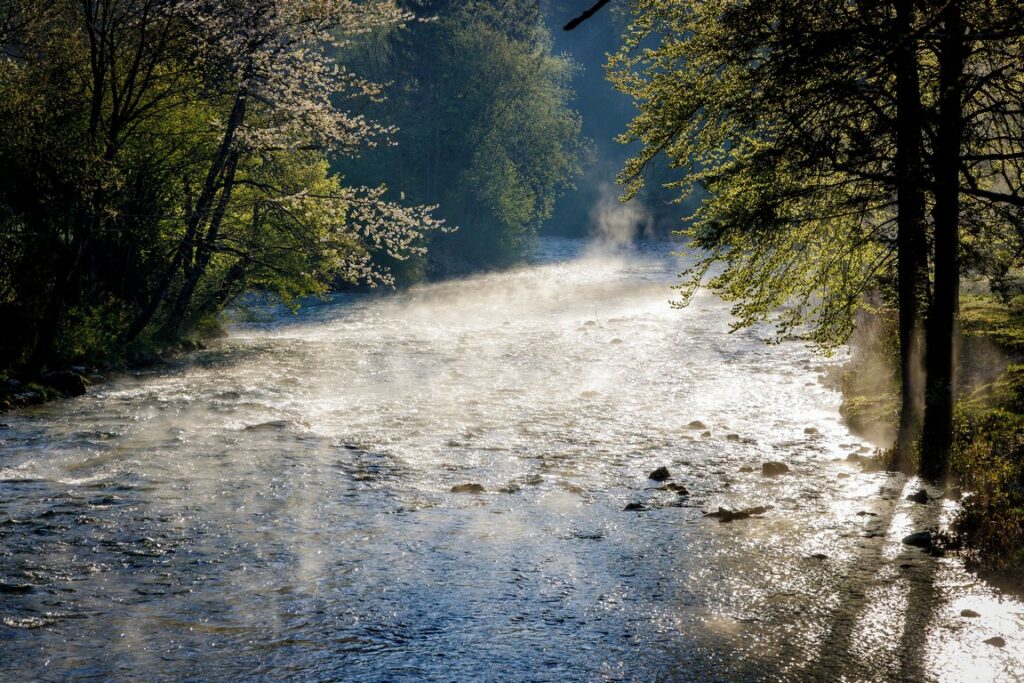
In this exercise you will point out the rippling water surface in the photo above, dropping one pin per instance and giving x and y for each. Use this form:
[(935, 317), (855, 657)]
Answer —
[(279, 507)]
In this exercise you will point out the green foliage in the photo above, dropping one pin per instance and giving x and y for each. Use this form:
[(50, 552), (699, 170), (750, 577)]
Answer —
[(988, 459), (749, 114), (145, 183), (989, 318), (485, 130)]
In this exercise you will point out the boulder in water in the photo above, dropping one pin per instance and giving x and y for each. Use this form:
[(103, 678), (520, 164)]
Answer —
[(676, 488), (697, 424), (771, 468), (270, 426), (468, 488), (660, 474), (921, 539), (631, 507), (746, 468), (921, 497), (67, 382), (706, 434), (969, 613), (811, 431), (728, 515), (732, 437), (996, 641)]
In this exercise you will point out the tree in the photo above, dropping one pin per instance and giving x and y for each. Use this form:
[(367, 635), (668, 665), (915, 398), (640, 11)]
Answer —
[(823, 134), (150, 144), (485, 128)]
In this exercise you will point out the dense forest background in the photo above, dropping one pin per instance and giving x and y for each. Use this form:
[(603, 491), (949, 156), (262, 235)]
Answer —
[(158, 158)]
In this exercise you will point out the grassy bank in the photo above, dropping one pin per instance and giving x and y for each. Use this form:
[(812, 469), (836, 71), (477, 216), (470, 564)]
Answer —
[(987, 469)]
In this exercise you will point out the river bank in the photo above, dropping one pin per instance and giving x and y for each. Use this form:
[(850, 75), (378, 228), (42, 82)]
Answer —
[(987, 469)]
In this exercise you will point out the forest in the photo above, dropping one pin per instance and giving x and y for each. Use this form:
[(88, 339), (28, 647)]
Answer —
[(335, 329)]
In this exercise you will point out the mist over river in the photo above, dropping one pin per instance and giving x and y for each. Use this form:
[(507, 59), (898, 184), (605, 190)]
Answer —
[(279, 507)]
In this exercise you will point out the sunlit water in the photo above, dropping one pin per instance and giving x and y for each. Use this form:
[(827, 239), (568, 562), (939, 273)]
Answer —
[(279, 508)]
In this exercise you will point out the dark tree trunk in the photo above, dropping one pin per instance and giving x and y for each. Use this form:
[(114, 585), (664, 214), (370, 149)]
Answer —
[(196, 218), (204, 252), (911, 245), (942, 317)]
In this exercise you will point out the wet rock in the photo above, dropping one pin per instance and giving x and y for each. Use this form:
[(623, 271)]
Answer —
[(811, 431), (819, 556), (746, 468), (865, 513), (70, 383), (697, 424), (589, 394), (272, 425), (660, 474), (732, 437), (921, 497), (589, 323), (534, 480), (969, 613), (706, 434), (675, 488), (14, 589), (615, 341), (728, 515), (634, 507), (843, 475), (771, 468), (921, 539), (468, 488), (996, 641)]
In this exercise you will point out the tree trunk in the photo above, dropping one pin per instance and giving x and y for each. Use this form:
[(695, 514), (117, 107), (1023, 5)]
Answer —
[(911, 245), (942, 317), (204, 252), (196, 218)]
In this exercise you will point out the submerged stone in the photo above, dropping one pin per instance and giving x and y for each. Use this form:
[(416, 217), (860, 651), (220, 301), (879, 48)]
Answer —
[(996, 641), (468, 488), (660, 474), (771, 468), (969, 613), (727, 515)]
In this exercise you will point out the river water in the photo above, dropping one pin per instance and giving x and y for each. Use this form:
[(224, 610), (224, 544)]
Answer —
[(279, 506)]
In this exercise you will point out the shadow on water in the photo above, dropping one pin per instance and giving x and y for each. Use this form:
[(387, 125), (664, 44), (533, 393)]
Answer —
[(891, 589)]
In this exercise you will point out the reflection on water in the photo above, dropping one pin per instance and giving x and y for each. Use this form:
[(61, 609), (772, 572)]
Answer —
[(280, 506)]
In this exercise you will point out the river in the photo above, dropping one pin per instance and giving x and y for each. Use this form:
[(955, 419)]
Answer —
[(278, 507)]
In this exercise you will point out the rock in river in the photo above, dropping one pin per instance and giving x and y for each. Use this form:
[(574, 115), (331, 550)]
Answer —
[(468, 488), (634, 506), (677, 488), (771, 468), (660, 474), (922, 539), (727, 515), (697, 424), (996, 642), (969, 613), (921, 497)]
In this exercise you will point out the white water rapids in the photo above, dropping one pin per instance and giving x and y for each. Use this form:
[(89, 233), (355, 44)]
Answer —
[(279, 507)]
